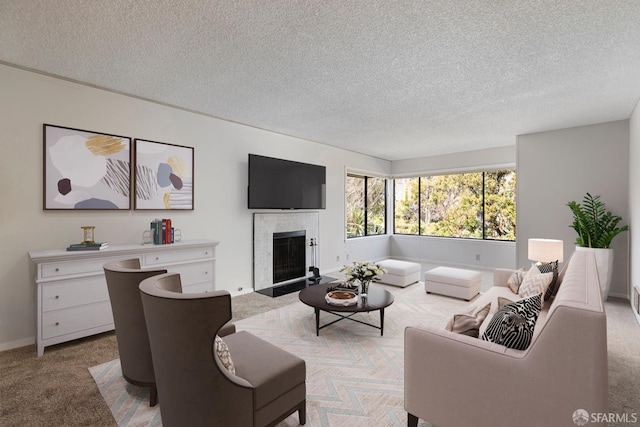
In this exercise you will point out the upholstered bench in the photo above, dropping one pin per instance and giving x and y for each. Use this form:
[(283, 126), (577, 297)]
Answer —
[(453, 282), (399, 273)]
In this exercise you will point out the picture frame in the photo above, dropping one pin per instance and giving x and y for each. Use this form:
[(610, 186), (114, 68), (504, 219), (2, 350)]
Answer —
[(85, 170), (163, 176)]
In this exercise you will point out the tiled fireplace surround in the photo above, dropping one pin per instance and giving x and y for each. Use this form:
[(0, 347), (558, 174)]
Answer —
[(264, 225)]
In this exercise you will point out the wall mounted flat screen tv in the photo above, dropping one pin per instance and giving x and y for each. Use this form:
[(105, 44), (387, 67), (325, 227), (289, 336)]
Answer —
[(285, 184)]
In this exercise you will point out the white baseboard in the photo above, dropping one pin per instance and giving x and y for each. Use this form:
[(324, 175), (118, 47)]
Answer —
[(17, 344), (242, 292)]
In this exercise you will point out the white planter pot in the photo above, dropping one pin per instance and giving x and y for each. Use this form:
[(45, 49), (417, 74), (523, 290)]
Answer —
[(604, 264)]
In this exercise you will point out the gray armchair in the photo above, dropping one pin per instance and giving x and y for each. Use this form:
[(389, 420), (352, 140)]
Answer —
[(194, 387), (123, 278)]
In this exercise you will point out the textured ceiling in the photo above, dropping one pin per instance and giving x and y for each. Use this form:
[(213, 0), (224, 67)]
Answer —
[(392, 79)]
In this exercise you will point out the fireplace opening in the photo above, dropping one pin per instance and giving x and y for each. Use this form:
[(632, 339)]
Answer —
[(289, 256)]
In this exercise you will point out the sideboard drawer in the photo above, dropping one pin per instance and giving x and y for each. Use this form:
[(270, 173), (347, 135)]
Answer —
[(68, 268), (168, 257), (62, 322), (197, 288), (70, 293), (193, 273)]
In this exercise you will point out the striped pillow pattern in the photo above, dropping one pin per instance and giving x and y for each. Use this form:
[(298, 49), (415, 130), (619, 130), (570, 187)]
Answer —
[(512, 326), (535, 282), (550, 267)]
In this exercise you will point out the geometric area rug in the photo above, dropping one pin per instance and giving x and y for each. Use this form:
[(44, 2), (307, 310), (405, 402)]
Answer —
[(355, 377)]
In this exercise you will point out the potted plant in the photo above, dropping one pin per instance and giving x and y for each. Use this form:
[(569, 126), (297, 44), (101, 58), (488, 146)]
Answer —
[(596, 228)]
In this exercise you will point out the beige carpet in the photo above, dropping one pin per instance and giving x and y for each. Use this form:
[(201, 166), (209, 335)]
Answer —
[(354, 375)]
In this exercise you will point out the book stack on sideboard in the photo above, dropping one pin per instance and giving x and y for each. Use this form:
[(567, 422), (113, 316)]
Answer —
[(96, 246), (162, 231)]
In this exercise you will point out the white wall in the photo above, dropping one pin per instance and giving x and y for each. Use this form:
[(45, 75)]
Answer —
[(634, 197), (499, 157), (558, 166), (471, 253), (29, 100)]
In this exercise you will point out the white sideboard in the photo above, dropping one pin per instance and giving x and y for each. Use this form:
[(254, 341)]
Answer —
[(73, 301)]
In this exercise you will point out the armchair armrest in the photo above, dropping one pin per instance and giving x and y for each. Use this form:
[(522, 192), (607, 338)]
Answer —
[(227, 329)]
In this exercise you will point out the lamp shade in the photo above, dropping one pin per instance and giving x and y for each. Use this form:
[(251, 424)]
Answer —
[(545, 250)]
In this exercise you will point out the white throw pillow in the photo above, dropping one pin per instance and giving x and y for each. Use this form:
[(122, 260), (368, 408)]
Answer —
[(534, 282), (515, 280)]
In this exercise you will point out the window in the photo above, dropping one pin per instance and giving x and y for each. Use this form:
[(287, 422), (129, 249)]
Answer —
[(366, 200), (406, 217), (500, 205), (477, 205)]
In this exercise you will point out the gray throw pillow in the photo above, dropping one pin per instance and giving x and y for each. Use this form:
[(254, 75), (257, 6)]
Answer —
[(468, 324)]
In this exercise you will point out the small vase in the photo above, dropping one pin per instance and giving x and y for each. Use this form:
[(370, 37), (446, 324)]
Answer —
[(364, 288)]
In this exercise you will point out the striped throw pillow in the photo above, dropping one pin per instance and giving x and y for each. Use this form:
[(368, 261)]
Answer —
[(512, 326), (535, 282)]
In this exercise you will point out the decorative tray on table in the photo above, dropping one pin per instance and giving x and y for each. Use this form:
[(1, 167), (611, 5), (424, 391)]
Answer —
[(344, 298)]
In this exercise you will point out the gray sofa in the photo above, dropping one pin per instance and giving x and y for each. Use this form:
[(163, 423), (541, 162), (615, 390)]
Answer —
[(457, 380)]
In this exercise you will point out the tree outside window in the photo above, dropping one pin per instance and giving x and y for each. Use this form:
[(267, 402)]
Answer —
[(407, 200), (366, 205), (479, 205), (500, 205)]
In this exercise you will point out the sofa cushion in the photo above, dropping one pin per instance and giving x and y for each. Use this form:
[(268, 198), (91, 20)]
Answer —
[(468, 324), (278, 372), (534, 282), (513, 325)]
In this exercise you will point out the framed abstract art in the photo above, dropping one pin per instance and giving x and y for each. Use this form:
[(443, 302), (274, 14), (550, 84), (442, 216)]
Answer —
[(163, 176), (85, 169)]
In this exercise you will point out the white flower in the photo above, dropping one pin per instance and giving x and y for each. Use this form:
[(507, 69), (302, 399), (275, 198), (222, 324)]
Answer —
[(362, 271)]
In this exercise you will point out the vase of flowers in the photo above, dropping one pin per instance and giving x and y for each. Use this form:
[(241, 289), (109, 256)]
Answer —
[(363, 273)]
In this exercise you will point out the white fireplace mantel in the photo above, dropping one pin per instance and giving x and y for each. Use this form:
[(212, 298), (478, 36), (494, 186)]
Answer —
[(264, 225)]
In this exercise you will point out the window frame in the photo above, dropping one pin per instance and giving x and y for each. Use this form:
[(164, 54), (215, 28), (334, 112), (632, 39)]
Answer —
[(365, 177), (419, 202)]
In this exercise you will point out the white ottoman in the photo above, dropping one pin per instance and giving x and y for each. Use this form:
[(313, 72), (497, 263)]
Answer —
[(453, 282), (399, 273)]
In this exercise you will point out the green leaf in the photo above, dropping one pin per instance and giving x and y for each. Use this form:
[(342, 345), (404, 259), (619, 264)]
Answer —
[(596, 227)]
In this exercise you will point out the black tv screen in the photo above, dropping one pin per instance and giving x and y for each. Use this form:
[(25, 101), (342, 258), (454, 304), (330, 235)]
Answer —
[(285, 184)]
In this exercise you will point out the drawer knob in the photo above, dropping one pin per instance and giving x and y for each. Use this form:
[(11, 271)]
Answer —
[(57, 269), (157, 258), (57, 296), (206, 253), (57, 323)]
